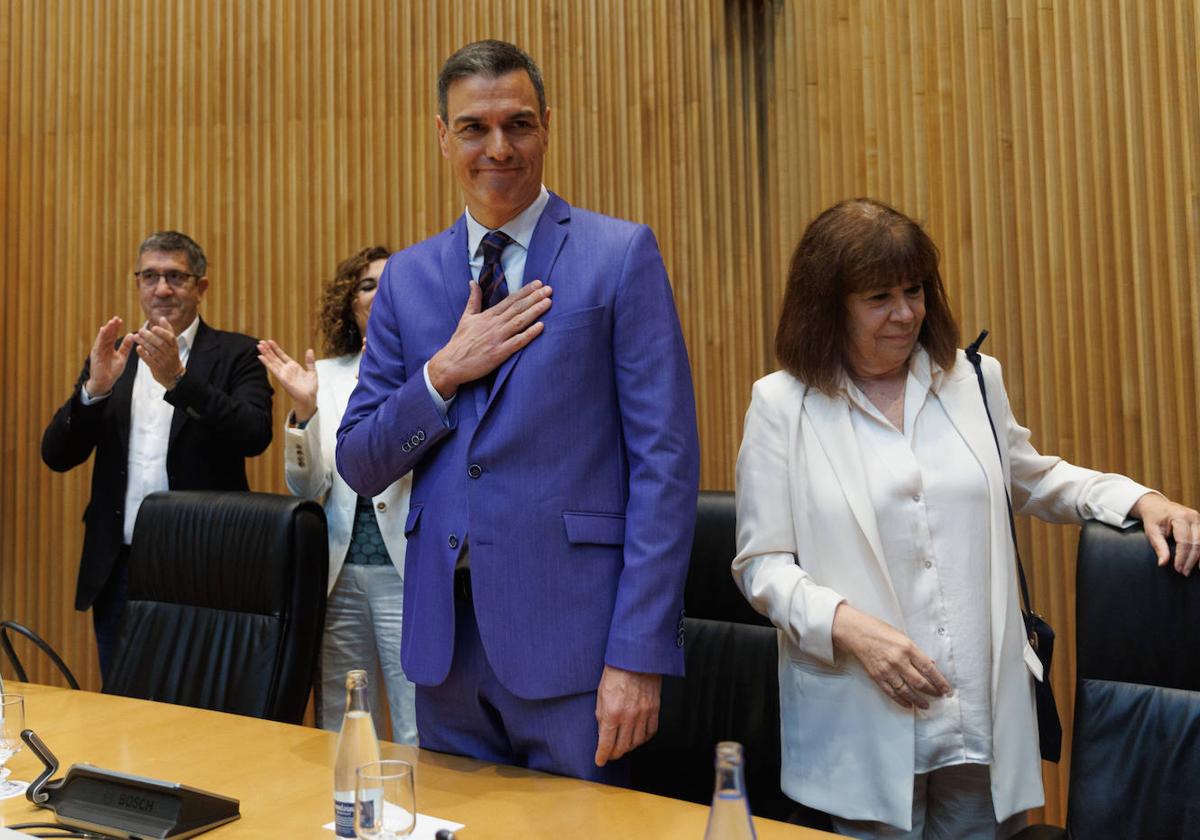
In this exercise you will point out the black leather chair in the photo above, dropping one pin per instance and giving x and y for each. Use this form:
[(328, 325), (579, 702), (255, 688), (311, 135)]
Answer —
[(731, 689), (711, 593), (226, 603), (1136, 743)]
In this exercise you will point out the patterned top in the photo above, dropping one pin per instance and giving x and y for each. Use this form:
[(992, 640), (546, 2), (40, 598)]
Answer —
[(366, 543)]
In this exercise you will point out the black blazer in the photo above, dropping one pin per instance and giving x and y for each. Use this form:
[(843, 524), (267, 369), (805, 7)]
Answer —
[(222, 416)]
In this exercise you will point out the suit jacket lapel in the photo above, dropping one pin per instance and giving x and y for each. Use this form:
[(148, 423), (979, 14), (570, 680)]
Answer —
[(199, 365), (456, 269), (830, 419), (122, 397), (456, 284), (544, 247), (960, 397)]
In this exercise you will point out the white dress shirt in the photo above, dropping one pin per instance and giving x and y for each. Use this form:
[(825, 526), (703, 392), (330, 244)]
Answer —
[(927, 489), (149, 433)]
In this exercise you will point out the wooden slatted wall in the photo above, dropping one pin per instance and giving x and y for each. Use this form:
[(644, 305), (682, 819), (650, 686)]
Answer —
[(1050, 147)]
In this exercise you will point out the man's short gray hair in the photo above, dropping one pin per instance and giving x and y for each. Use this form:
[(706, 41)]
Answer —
[(490, 59), (170, 241)]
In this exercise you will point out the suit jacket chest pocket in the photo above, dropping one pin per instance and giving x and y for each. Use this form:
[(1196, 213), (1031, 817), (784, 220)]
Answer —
[(574, 351), (565, 325)]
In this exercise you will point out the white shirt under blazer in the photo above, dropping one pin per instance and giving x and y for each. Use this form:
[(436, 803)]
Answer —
[(808, 539), (310, 469)]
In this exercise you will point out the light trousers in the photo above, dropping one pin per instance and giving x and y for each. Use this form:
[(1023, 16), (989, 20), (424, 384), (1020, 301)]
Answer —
[(363, 615), (951, 803)]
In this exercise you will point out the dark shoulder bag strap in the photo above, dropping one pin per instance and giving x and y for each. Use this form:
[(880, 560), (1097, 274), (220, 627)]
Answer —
[(973, 356), (1039, 633)]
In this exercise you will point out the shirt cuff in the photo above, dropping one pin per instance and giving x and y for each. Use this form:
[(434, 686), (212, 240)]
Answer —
[(88, 399), (1111, 502), (443, 406)]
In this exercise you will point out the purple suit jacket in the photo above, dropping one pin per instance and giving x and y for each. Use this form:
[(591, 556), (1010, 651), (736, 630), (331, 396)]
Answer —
[(573, 480)]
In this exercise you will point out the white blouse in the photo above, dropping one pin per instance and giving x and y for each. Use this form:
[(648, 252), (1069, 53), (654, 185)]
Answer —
[(930, 495)]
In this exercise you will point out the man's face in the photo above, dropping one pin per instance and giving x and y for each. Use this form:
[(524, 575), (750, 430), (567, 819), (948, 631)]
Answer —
[(162, 300), (495, 140)]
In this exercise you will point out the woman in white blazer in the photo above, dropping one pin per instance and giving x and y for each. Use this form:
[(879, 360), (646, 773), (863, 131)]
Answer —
[(873, 531), (366, 536)]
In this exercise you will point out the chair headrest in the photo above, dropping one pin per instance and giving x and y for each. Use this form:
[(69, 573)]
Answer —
[(1135, 620), (231, 550)]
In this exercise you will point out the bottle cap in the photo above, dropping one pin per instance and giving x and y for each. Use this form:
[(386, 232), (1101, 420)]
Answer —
[(730, 751), (356, 679)]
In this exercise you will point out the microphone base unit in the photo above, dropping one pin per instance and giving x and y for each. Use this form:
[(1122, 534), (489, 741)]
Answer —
[(106, 801)]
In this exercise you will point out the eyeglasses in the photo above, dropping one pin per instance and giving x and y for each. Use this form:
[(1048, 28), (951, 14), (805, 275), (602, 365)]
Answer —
[(175, 279)]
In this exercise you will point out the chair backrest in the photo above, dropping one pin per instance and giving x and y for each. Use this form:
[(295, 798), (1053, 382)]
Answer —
[(711, 592), (226, 603), (731, 688), (730, 693), (11, 652), (1136, 743)]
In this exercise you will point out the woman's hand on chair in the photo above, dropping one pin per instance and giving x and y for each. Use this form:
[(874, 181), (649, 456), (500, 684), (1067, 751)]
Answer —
[(1163, 518)]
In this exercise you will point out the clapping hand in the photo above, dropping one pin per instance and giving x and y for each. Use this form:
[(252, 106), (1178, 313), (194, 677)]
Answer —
[(158, 347), (107, 359), (300, 381)]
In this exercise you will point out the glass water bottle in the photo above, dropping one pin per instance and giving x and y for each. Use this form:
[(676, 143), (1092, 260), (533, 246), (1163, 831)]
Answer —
[(356, 746), (729, 818)]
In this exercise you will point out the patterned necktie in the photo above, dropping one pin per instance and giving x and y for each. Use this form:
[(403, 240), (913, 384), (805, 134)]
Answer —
[(491, 276)]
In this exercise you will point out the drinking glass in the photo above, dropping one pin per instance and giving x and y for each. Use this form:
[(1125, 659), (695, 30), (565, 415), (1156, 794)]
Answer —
[(12, 721), (385, 800)]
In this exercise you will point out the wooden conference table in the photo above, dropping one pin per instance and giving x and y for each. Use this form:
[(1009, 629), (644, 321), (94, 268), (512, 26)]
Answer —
[(283, 775)]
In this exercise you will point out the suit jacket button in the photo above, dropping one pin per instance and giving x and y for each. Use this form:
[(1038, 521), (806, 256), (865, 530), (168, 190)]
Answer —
[(452, 542), (381, 506), (474, 471)]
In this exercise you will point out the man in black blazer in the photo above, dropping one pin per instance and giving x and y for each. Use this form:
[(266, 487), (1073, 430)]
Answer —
[(183, 415)]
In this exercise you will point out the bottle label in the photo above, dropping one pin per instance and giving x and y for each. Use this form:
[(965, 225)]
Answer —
[(343, 813)]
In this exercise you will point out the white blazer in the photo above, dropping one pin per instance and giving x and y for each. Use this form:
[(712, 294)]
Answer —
[(310, 469), (808, 539)]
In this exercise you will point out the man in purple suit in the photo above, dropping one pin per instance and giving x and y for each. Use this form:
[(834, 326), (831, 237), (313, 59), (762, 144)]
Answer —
[(552, 442)]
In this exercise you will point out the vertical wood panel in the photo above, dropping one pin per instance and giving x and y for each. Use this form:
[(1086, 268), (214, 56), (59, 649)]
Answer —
[(1052, 151)]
